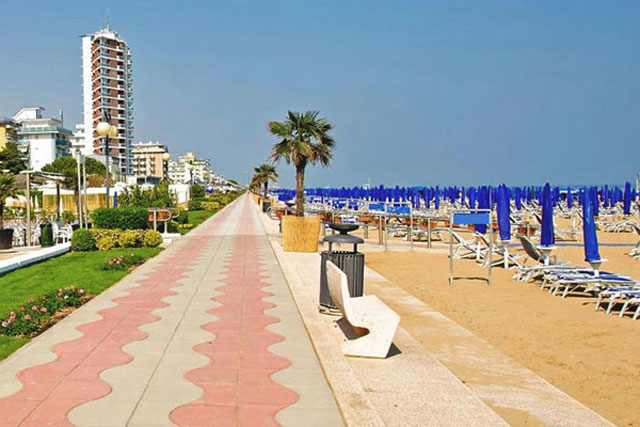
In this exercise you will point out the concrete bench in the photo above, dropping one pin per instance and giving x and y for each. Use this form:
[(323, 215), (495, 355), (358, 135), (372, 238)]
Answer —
[(372, 320)]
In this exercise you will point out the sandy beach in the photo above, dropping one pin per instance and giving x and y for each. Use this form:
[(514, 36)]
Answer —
[(593, 357)]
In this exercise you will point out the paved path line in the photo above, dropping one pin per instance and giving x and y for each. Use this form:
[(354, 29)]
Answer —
[(147, 373), (237, 383)]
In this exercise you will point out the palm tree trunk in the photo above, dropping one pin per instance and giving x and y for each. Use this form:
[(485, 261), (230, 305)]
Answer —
[(266, 190), (300, 189), (2, 216)]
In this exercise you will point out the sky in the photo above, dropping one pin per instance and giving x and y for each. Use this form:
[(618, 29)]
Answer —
[(420, 92)]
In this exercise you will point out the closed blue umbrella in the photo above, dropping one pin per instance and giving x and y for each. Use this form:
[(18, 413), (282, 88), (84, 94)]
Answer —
[(115, 199), (594, 201), (626, 207), (483, 203), (503, 209), (569, 198), (547, 237), (437, 198), (589, 230)]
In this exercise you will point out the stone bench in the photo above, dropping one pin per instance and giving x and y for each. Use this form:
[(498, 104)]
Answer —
[(372, 320)]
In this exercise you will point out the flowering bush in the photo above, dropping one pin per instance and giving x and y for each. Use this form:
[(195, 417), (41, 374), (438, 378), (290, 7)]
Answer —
[(32, 316), (122, 262)]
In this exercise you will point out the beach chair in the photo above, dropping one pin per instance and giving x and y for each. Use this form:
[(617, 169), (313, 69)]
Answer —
[(467, 248), (583, 279), (527, 273), (61, 234), (616, 294), (635, 252), (512, 259)]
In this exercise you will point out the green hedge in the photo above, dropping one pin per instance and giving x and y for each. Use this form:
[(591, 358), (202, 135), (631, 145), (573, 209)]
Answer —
[(125, 218), (82, 240)]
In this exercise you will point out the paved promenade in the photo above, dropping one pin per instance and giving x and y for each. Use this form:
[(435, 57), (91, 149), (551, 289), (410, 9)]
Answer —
[(206, 333)]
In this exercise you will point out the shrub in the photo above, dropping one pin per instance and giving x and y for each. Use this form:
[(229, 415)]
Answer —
[(194, 205), (152, 238), (125, 218), (104, 232), (197, 191), (82, 240), (46, 236), (33, 315), (183, 218), (210, 206), (68, 217), (106, 243), (128, 239)]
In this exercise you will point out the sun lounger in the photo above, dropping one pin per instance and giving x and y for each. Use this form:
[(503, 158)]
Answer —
[(512, 259), (571, 280), (467, 248), (371, 319)]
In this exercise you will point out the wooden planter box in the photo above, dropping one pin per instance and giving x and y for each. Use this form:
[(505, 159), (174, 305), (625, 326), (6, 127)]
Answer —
[(300, 234)]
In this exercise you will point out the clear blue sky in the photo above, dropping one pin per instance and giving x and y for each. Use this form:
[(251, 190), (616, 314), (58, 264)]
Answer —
[(420, 92)]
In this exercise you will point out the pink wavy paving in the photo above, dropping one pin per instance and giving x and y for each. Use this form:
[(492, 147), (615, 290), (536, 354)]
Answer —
[(53, 389), (237, 386)]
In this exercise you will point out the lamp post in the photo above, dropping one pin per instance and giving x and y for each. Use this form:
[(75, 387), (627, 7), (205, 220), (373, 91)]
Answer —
[(79, 162), (166, 158), (106, 130)]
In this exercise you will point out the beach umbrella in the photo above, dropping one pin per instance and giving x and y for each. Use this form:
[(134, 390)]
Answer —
[(589, 230), (115, 199), (518, 197), (569, 198), (547, 237), (483, 203), (594, 200), (503, 209), (437, 198), (626, 206)]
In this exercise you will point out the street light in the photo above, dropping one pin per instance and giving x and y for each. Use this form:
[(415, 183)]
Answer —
[(166, 158), (106, 130)]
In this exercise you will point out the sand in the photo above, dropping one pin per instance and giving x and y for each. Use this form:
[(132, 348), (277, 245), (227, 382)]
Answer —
[(593, 357)]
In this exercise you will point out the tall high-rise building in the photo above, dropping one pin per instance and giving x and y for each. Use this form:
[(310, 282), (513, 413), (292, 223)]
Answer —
[(106, 81)]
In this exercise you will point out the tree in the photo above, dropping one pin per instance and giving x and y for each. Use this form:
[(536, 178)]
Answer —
[(6, 190), (263, 174), (197, 191), (304, 140), (11, 159), (156, 197), (68, 167)]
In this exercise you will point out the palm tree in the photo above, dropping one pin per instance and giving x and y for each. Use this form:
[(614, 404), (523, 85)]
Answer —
[(254, 184), (304, 139), (263, 174), (6, 190)]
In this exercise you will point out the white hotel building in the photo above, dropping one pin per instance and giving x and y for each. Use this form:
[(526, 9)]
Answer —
[(106, 86)]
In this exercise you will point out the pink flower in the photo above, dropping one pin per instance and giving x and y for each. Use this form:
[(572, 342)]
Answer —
[(27, 317), (30, 300), (22, 309), (44, 309), (34, 308), (80, 291), (36, 320), (5, 324)]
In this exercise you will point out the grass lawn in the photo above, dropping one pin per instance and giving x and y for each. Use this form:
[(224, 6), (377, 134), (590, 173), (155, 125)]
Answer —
[(82, 269), (196, 218)]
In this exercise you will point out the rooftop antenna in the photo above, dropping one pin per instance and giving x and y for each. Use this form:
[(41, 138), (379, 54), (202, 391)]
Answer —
[(107, 19), (61, 117)]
